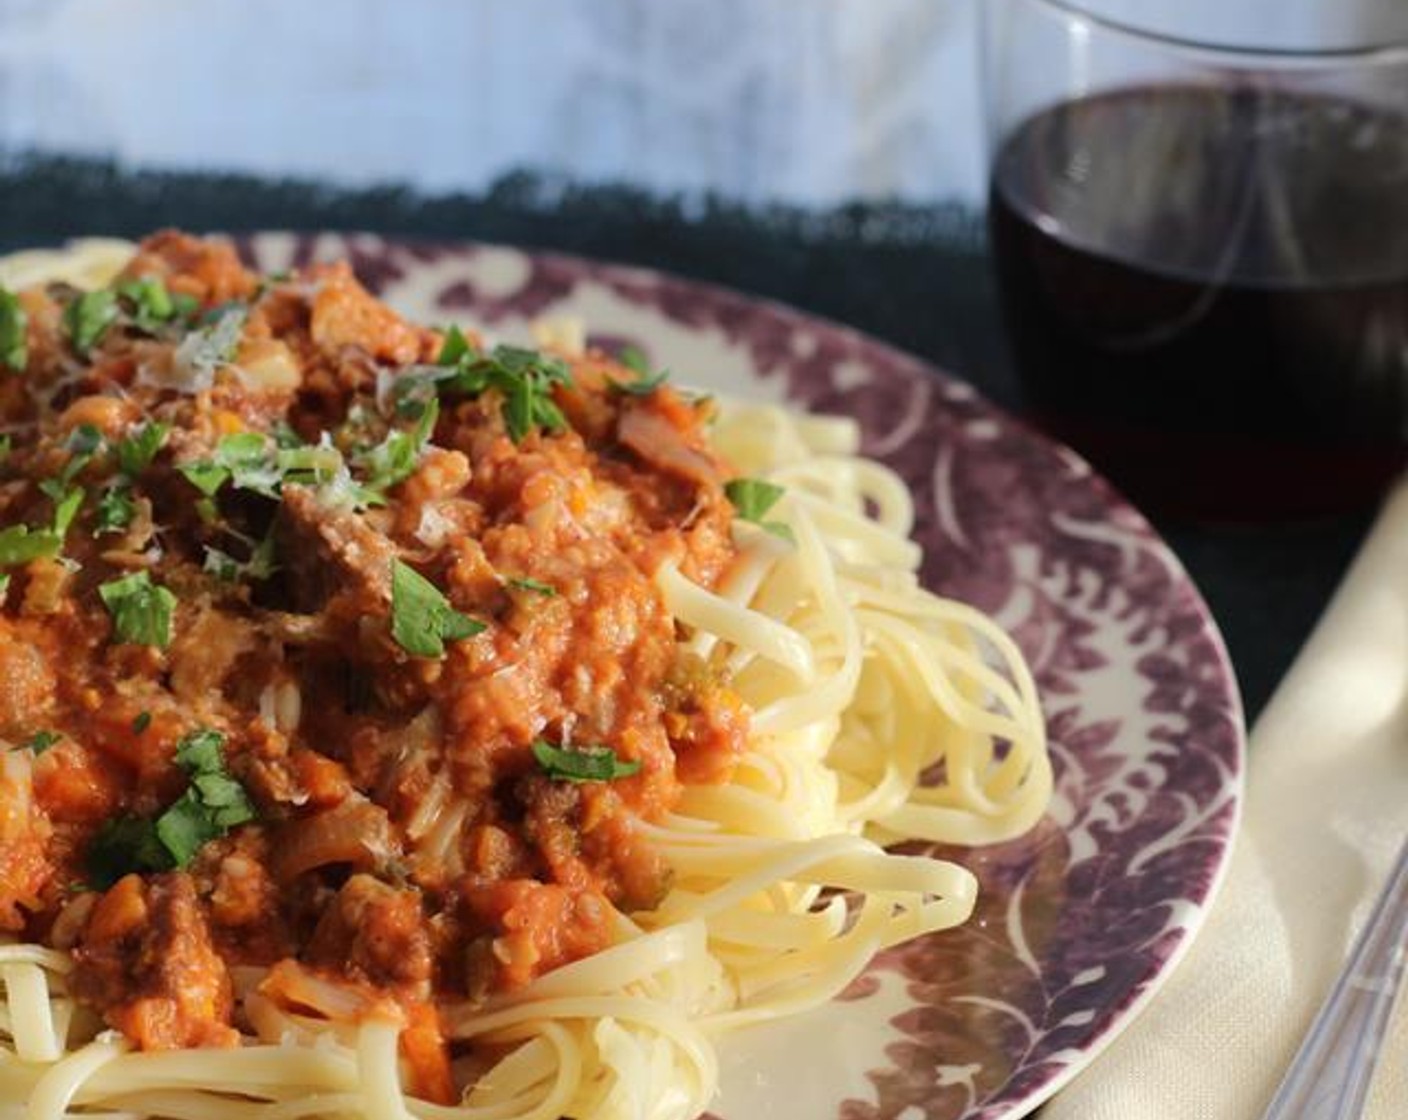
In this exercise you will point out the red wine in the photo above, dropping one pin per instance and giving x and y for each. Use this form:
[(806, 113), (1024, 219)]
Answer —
[(1207, 293)]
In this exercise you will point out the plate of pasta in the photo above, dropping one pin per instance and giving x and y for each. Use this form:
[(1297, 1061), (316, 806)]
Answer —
[(449, 682)]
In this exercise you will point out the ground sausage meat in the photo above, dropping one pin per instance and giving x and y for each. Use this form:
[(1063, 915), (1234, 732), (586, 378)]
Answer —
[(302, 606)]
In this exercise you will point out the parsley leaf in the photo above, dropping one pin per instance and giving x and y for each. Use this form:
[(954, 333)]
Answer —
[(116, 509), (136, 452), (185, 305), (152, 305), (646, 382), (207, 477), (221, 565), (307, 465), (84, 440), (752, 498), (66, 509), (41, 741), (14, 327), (285, 438), (20, 545), (141, 610), (396, 457), (141, 723), (7, 444), (259, 566), (523, 583), (186, 827), (243, 457), (584, 764), (422, 620), (88, 317), (199, 752), (248, 458), (455, 348), (212, 804), (249, 461), (524, 377)]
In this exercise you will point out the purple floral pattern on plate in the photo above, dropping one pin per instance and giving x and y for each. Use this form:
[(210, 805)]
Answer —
[(1078, 922)]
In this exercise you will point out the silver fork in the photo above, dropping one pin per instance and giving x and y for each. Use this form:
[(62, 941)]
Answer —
[(1330, 1075)]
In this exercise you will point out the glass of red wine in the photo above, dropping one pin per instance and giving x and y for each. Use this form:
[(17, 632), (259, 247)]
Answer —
[(1202, 252)]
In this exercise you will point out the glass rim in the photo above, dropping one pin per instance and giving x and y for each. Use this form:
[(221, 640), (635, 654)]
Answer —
[(1388, 52)]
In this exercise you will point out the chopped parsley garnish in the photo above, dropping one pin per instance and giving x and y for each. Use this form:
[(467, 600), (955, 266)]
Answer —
[(244, 457), (212, 804), (41, 741), (285, 438), (85, 440), (152, 306), (136, 452), (582, 764), (200, 751), (752, 498), (250, 461), (19, 545), (526, 378), (6, 446), (141, 610), (14, 328), (455, 348), (243, 449), (396, 457), (307, 465), (4, 585), (259, 566), (646, 382), (523, 377), (66, 499), (66, 509), (523, 583), (422, 620), (207, 477), (116, 508), (141, 723), (88, 317), (247, 458), (221, 565)]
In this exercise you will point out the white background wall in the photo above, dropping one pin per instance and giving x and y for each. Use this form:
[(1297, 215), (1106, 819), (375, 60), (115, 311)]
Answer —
[(810, 101)]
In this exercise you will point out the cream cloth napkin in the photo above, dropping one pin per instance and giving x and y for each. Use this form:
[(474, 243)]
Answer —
[(1326, 810)]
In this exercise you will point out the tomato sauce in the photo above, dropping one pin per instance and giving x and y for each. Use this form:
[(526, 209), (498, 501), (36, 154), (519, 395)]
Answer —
[(295, 716)]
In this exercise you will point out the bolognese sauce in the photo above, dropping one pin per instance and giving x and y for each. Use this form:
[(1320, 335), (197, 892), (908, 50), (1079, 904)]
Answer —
[(330, 645)]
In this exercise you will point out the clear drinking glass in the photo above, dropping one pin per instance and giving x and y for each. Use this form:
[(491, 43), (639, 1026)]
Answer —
[(1203, 257)]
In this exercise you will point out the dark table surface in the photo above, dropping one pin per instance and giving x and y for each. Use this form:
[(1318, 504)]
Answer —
[(916, 276)]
